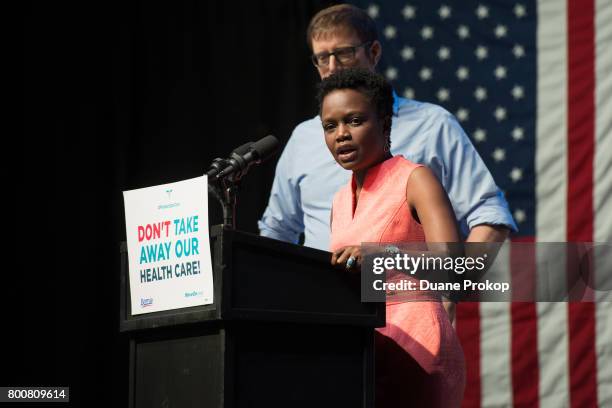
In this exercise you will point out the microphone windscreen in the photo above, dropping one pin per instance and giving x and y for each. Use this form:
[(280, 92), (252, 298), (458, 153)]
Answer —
[(266, 147), (244, 149)]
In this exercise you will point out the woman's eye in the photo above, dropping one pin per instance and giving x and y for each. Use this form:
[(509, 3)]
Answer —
[(329, 126), (356, 121)]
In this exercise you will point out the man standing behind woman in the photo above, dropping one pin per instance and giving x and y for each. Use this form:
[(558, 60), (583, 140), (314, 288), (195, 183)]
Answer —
[(419, 361), (306, 178)]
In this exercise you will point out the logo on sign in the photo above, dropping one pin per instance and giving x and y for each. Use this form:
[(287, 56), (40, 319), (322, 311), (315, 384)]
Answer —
[(146, 302)]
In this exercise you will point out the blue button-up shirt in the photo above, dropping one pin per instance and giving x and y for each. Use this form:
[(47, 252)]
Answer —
[(307, 176)]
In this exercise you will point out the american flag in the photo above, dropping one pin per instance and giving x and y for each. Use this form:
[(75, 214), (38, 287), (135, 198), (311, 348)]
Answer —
[(531, 84)]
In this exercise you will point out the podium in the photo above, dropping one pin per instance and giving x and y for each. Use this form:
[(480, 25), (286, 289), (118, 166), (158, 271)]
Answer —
[(285, 330)]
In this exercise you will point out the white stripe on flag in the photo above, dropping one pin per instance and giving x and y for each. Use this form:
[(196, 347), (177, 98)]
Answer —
[(551, 192), (603, 121), (602, 199), (551, 263), (495, 354), (552, 354), (603, 341), (551, 132), (495, 346)]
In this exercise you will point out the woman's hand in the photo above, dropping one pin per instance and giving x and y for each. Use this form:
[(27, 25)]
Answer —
[(348, 258)]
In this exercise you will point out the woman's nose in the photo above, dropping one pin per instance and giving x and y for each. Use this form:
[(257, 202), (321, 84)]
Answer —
[(342, 132)]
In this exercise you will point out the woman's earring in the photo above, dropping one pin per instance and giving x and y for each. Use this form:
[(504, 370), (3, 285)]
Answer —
[(387, 147)]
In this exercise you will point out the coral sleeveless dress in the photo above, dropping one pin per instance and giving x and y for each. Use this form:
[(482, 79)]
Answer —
[(419, 360)]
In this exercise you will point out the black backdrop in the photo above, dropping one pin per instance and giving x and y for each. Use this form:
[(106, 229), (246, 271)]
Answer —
[(121, 95)]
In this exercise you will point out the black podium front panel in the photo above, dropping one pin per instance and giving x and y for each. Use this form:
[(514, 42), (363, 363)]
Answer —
[(285, 330), (255, 365), (184, 371), (300, 366)]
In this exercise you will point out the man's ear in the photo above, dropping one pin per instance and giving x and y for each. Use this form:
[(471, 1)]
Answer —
[(375, 52)]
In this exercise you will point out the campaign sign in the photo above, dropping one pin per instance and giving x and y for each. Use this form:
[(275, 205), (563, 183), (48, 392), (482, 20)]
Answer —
[(168, 246)]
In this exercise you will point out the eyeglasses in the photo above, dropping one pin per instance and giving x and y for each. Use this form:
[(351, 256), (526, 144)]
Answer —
[(343, 55)]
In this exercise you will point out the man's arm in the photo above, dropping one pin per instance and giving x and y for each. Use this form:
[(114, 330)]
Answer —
[(283, 218), (478, 203), (488, 233)]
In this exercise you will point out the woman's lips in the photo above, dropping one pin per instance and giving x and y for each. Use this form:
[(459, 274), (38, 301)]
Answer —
[(347, 154)]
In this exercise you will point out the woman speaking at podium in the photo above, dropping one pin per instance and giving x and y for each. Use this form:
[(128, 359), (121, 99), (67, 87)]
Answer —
[(419, 360)]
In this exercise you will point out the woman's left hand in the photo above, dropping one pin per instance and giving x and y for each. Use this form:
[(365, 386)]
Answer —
[(348, 258)]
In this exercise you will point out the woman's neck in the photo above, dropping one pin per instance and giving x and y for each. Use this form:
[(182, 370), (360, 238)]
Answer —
[(360, 174)]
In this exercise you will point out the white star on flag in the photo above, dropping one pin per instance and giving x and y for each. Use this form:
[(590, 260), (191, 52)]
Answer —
[(443, 94), (516, 174), (373, 10), (517, 133), (518, 51), (391, 73), (517, 92), (409, 93), (390, 32), (480, 135), (463, 73), (519, 11), (427, 32), (500, 72), (480, 93), (463, 114), (444, 53), (481, 52), (409, 12), (425, 74), (519, 215), (501, 31), (500, 113), (482, 11), (463, 32), (407, 53), (444, 12), (499, 154)]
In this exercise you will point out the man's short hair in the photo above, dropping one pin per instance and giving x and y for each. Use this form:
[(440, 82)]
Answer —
[(341, 17), (371, 84)]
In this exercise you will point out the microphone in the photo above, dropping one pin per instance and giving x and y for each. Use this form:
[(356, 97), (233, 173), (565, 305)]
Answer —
[(243, 157), (219, 164)]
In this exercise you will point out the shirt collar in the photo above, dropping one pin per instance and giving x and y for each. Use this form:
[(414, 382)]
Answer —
[(397, 103)]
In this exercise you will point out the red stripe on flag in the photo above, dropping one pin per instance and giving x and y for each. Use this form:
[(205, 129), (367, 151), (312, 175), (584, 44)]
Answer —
[(582, 359), (581, 119), (525, 366), (468, 330), (581, 141)]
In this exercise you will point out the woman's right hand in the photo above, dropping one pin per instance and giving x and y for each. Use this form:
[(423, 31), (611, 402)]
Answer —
[(348, 258)]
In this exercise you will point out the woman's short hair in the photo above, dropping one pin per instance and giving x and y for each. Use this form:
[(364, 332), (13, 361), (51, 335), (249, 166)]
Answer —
[(371, 84), (341, 17)]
